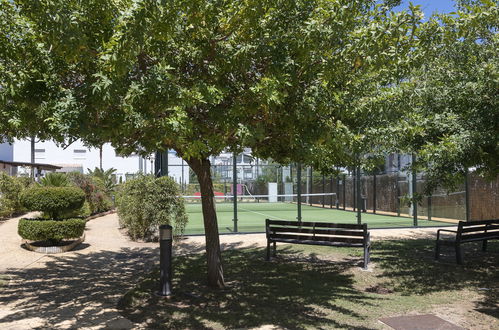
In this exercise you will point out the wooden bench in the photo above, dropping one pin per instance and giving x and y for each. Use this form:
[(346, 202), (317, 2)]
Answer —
[(318, 233), (472, 231)]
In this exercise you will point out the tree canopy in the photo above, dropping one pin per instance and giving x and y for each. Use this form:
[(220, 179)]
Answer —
[(289, 79)]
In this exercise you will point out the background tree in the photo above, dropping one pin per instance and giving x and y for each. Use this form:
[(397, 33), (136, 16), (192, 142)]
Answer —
[(447, 109), (202, 76)]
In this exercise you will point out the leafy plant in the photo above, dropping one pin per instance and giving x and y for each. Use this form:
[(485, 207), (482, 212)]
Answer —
[(146, 202), (95, 193), (54, 201), (54, 180)]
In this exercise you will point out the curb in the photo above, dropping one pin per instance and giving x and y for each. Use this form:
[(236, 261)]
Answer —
[(53, 249)]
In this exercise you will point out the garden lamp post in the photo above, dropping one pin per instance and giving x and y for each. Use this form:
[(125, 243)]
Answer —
[(165, 262)]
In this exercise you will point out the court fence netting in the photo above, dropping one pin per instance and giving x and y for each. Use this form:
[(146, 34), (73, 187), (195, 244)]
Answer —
[(245, 186)]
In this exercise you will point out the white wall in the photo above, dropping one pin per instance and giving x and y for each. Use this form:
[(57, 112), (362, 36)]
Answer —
[(77, 155), (80, 158)]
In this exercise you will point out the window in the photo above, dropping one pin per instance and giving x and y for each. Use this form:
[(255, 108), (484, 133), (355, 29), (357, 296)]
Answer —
[(39, 154), (248, 173)]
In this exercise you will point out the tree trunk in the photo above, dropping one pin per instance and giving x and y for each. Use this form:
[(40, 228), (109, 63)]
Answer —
[(214, 258), (32, 169), (100, 157)]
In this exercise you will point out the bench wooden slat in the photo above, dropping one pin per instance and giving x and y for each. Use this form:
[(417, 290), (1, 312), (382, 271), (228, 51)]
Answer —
[(340, 232), (481, 236), (322, 243), (476, 223), (317, 224), (318, 238), (479, 228)]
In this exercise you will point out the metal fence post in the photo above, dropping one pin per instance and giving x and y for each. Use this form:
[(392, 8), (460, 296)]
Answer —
[(467, 197), (234, 189), (359, 197), (298, 190), (344, 192), (414, 192)]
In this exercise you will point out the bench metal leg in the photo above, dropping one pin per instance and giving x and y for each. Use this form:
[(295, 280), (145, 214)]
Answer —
[(275, 250), (484, 246), (268, 251), (366, 257), (459, 254)]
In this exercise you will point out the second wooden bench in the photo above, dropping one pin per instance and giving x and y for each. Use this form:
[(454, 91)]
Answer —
[(318, 233)]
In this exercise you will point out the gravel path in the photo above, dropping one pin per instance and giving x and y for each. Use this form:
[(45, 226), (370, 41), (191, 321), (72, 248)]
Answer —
[(80, 289)]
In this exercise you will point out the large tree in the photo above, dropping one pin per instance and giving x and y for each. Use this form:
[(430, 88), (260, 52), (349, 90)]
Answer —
[(201, 76)]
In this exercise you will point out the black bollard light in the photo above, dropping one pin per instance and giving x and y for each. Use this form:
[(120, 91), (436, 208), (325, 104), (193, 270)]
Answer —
[(165, 263)]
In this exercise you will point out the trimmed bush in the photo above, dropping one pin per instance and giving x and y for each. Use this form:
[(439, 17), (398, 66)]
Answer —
[(54, 201), (146, 202), (51, 230)]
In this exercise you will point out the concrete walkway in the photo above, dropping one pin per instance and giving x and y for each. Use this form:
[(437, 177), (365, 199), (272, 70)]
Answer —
[(80, 289)]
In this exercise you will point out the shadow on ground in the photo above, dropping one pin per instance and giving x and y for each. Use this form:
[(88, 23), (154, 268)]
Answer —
[(78, 289), (409, 266), (73, 289), (304, 288), (299, 289), (293, 291)]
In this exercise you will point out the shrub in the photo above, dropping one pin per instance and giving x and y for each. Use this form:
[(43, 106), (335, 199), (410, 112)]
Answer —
[(54, 201), (50, 230), (98, 201), (10, 190), (146, 202), (54, 180)]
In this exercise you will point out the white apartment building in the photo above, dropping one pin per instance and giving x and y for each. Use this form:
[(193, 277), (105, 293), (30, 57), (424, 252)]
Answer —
[(77, 157)]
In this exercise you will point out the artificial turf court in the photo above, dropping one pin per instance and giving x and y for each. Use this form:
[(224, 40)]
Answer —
[(252, 215)]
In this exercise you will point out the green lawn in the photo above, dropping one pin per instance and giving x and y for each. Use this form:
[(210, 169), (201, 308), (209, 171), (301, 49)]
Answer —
[(251, 217), (323, 287)]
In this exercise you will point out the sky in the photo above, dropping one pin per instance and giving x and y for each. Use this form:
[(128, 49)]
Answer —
[(430, 6)]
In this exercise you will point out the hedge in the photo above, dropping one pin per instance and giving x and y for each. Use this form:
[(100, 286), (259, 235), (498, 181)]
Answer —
[(50, 230), (54, 201)]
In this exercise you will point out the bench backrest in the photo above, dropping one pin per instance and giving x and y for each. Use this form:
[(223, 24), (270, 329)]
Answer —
[(478, 230), (319, 232)]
